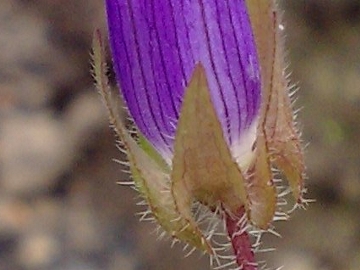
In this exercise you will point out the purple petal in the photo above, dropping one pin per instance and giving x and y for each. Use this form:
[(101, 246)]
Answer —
[(155, 46)]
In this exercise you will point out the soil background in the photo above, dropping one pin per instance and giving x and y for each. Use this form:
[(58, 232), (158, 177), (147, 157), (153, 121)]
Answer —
[(60, 207)]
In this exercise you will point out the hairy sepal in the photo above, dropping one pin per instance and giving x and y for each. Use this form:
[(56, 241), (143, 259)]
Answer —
[(284, 138), (278, 142), (203, 167), (150, 178)]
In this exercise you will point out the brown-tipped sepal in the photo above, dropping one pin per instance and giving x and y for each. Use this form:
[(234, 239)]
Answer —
[(281, 140), (203, 167)]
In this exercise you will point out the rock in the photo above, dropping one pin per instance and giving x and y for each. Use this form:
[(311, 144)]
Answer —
[(35, 150), (38, 250)]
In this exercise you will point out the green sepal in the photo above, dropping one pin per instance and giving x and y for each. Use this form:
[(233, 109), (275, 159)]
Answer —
[(203, 167), (147, 147), (151, 180)]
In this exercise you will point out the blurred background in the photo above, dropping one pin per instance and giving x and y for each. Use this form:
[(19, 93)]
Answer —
[(60, 207)]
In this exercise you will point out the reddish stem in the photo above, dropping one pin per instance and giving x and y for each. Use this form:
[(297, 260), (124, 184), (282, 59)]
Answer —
[(240, 241)]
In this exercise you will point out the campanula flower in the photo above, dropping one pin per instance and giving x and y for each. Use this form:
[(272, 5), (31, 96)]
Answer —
[(155, 47), (204, 83)]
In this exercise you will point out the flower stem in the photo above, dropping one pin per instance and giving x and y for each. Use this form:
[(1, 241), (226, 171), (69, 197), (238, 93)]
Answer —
[(240, 240)]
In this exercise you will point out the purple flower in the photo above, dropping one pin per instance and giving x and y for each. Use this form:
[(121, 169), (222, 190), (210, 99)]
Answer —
[(189, 71), (155, 47)]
